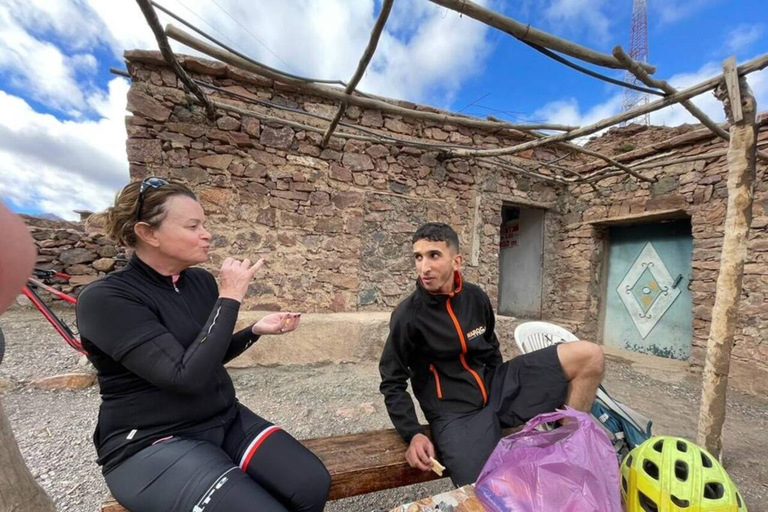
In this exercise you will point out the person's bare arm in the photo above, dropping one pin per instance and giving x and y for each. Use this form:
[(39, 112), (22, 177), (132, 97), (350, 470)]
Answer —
[(17, 256)]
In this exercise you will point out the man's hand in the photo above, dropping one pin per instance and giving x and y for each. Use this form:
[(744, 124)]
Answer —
[(419, 452)]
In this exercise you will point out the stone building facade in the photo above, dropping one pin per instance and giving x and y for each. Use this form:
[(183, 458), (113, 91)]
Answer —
[(335, 223)]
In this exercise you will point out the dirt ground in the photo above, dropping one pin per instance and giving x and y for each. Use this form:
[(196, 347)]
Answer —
[(54, 428)]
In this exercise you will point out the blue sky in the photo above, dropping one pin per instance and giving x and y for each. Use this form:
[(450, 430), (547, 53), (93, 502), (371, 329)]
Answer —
[(62, 128)]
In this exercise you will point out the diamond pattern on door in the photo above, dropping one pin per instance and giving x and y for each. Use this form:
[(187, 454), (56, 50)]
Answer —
[(647, 290)]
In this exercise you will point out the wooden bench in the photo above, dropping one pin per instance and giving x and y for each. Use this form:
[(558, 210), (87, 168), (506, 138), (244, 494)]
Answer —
[(358, 464)]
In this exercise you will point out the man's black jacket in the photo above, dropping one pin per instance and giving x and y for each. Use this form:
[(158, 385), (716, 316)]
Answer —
[(446, 345)]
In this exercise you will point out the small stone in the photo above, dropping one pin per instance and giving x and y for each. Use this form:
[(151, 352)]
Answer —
[(78, 255), (220, 162), (145, 105), (147, 151), (372, 118), (82, 280), (398, 126), (367, 296), (80, 270), (189, 129), (228, 123), (357, 162), (251, 126), (378, 151), (281, 138), (340, 174), (66, 381), (104, 264)]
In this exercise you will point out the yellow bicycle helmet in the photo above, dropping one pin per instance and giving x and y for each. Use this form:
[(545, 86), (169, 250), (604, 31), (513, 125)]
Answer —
[(670, 474)]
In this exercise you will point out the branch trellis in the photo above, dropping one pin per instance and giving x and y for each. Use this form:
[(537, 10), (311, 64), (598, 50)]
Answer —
[(740, 133)]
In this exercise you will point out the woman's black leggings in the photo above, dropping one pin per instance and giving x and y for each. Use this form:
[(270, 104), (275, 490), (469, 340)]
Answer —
[(248, 465)]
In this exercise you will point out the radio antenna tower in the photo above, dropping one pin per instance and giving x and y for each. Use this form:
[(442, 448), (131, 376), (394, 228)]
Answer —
[(638, 50)]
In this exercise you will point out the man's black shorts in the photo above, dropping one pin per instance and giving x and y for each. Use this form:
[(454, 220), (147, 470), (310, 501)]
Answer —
[(519, 389)]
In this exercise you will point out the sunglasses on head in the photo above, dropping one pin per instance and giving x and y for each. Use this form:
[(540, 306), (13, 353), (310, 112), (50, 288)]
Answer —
[(147, 183)]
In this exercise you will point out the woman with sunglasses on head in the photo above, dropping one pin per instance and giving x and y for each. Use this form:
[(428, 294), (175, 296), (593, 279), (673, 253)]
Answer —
[(171, 436)]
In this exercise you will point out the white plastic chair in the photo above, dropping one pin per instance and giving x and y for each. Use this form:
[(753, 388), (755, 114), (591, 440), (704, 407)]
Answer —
[(531, 336)]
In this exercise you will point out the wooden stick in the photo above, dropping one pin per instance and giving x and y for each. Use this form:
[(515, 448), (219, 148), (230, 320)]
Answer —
[(338, 94), (738, 217), (686, 139), (599, 175), (732, 84), (585, 151), (383, 139), (695, 111), (364, 60), (532, 35), (608, 160), (165, 49), (519, 170), (754, 65)]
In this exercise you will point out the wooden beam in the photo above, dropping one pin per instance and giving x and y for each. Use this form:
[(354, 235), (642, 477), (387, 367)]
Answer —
[(685, 139), (518, 170), (525, 32), (695, 111), (365, 102), (749, 67), (361, 66), (584, 151), (738, 217), (165, 49), (382, 139), (608, 160), (732, 84)]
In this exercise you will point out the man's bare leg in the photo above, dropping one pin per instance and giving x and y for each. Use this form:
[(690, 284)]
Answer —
[(584, 365)]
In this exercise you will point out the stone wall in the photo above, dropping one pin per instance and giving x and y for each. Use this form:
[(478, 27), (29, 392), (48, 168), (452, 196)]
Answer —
[(67, 247), (699, 190), (334, 223)]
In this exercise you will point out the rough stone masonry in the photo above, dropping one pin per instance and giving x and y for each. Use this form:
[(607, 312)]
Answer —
[(335, 223)]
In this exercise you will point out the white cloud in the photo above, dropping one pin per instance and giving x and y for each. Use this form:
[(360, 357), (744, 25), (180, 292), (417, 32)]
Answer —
[(743, 37), (568, 111), (37, 66), (59, 166), (49, 49), (577, 15), (672, 11)]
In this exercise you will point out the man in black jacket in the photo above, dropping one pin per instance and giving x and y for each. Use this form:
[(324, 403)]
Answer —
[(442, 338)]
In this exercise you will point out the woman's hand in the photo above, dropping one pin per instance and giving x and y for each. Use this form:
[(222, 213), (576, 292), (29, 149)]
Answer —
[(236, 276), (277, 323)]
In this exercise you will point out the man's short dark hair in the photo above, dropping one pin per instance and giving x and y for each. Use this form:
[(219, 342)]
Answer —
[(437, 232)]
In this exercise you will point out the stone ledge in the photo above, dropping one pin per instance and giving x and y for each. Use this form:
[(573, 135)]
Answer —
[(336, 338)]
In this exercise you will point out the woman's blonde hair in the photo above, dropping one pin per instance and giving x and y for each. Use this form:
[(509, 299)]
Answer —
[(118, 221)]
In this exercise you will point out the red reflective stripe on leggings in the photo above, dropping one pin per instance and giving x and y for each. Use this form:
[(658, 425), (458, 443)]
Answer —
[(263, 435)]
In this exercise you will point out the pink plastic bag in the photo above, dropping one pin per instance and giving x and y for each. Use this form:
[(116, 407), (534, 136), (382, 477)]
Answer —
[(569, 469)]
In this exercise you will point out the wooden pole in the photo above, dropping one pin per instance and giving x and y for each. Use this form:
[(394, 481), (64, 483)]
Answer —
[(749, 67), (365, 102), (361, 66), (695, 111), (165, 49), (18, 489), (532, 35), (741, 176)]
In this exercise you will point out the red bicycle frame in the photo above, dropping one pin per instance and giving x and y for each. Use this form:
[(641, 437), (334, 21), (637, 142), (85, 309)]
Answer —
[(62, 328)]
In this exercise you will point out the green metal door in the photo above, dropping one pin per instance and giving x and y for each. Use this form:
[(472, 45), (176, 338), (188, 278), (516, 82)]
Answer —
[(648, 303)]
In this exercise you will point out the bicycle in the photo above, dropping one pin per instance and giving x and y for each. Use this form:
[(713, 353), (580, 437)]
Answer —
[(41, 281)]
